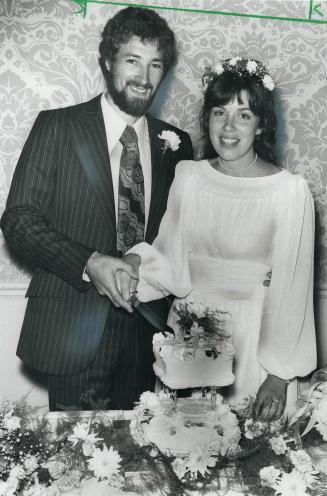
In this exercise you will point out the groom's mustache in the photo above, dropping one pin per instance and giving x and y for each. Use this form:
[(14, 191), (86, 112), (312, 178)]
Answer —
[(146, 86)]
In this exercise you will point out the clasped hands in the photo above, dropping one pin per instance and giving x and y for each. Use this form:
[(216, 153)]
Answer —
[(116, 278)]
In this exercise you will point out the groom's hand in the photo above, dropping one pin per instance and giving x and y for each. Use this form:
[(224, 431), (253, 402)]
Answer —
[(102, 270), (126, 284)]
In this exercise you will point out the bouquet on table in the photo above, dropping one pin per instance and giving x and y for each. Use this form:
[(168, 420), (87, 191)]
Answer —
[(166, 449), (71, 456)]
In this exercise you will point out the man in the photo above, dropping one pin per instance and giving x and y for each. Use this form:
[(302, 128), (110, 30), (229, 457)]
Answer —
[(92, 181)]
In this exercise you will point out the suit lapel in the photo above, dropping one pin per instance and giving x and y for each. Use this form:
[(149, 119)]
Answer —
[(159, 183), (92, 149)]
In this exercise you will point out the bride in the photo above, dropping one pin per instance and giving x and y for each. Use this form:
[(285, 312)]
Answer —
[(238, 235)]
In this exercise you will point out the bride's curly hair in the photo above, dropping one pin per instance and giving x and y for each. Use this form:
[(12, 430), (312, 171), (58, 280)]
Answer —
[(222, 89)]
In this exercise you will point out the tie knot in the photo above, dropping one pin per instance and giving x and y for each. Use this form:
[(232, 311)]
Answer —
[(129, 136)]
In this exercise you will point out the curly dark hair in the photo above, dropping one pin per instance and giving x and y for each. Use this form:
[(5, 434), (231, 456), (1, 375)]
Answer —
[(143, 23), (223, 88)]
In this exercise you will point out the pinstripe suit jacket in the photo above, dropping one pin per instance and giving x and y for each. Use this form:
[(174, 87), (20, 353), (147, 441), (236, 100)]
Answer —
[(59, 210)]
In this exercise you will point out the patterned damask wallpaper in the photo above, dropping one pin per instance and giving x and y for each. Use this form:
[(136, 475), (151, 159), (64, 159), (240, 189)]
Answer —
[(48, 58)]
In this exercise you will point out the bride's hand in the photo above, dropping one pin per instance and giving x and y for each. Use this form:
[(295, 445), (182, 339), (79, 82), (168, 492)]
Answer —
[(271, 398), (319, 375)]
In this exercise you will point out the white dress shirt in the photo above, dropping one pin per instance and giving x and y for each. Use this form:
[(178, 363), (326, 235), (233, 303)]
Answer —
[(115, 127)]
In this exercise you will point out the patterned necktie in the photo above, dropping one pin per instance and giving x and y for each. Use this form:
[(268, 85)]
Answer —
[(131, 219)]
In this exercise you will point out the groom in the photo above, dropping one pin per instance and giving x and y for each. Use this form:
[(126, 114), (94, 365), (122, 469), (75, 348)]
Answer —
[(93, 180)]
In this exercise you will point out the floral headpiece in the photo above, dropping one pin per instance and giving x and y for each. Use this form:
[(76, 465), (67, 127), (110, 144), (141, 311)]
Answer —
[(241, 66)]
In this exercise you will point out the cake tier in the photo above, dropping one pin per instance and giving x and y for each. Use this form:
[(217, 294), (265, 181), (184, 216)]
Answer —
[(180, 366), (180, 427)]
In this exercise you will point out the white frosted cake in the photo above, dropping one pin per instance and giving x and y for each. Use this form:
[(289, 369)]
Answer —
[(180, 427), (180, 365), (201, 352)]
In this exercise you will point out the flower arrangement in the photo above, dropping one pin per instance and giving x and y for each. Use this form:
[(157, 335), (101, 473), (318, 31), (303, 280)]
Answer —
[(39, 459), (209, 447), (199, 451), (194, 440), (302, 477), (201, 323), (241, 66), (171, 140)]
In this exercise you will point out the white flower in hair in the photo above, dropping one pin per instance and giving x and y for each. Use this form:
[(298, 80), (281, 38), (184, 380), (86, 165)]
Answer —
[(234, 60), (268, 82), (251, 66), (219, 69)]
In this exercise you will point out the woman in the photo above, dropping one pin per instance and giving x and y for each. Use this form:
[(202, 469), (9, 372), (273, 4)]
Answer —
[(238, 235)]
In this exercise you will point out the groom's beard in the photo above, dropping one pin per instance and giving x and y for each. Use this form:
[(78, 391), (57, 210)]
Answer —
[(135, 106)]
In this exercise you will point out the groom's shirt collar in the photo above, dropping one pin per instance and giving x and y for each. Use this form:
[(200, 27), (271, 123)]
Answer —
[(117, 125)]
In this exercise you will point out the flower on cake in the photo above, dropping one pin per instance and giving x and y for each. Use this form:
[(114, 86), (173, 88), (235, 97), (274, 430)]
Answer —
[(149, 400), (186, 355), (197, 309), (105, 463), (202, 324), (179, 466)]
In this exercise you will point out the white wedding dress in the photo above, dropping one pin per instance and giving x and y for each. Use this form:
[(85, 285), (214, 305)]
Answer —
[(220, 240)]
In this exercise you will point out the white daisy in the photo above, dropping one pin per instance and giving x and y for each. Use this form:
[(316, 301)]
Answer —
[(105, 463), (199, 460), (291, 485), (81, 433)]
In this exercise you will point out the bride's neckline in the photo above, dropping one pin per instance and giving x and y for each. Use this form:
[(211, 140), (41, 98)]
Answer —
[(229, 177)]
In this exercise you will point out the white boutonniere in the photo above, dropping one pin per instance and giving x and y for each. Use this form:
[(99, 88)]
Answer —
[(172, 140)]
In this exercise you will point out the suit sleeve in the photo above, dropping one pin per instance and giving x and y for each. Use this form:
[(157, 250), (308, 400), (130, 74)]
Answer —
[(26, 222)]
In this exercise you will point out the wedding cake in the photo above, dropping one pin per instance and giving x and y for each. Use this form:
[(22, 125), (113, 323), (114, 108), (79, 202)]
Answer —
[(200, 427), (179, 427), (200, 354)]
